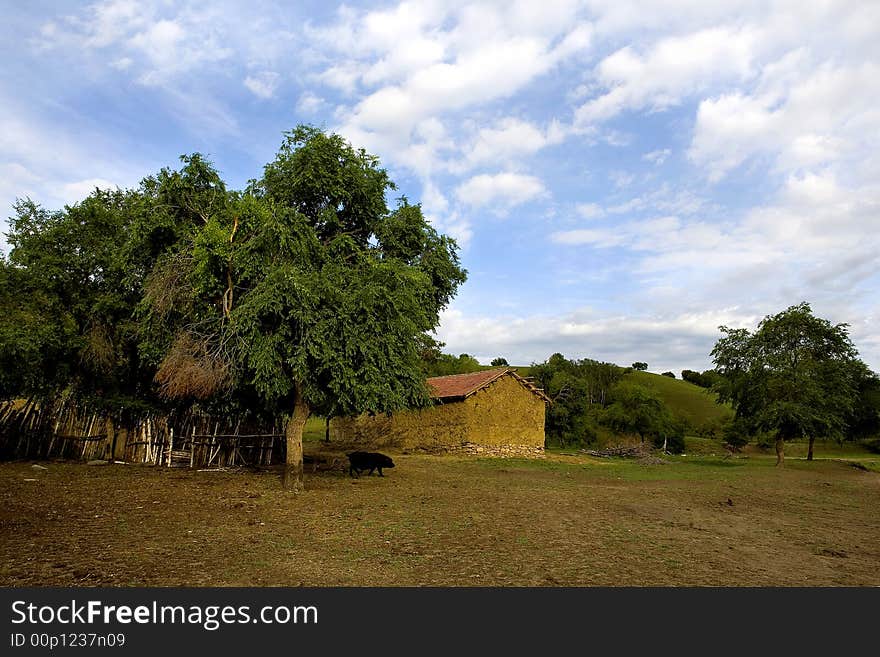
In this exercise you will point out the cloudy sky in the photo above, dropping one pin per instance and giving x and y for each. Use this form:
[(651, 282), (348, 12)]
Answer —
[(623, 177)]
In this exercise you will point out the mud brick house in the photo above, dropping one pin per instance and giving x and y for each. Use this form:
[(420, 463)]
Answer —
[(493, 412)]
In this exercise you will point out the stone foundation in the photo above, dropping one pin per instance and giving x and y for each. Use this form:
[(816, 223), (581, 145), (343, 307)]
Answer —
[(499, 451)]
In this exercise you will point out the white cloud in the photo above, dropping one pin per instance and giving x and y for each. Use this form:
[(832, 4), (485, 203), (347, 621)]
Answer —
[(657, 157), (507, 141), (122, 64), (673, 68), (502, 190), (53, 166), (667, 341), (421, 61), (309, 103), (74, 192), (590, 210), (802, 119), (263, 85)]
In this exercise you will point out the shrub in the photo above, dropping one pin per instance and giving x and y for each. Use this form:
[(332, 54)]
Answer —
[(735, 435), (672, 431), (872, 445), (669, 374), (674, 441)]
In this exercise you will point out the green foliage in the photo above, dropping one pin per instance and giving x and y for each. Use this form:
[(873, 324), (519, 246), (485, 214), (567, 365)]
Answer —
[(794, 376), (735, 434), (706, 379), (696, 407), (672, 439), (579, 390), (304, 285), (670, 375), (68, 295), (500, 362), (864, 420), (436, 363), (636, 410), (639, 366)]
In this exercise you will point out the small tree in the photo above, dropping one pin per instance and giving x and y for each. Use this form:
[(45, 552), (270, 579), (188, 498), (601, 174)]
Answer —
[(635, 409), (735, 434), (500, 362), (640, 366), (671, 375), (794, 376)]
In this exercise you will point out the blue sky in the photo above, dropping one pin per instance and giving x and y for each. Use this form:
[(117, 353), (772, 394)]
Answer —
[(623, 177)]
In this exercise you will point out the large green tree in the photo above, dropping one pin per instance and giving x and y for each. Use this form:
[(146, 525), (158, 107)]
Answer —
[(794, 376), (73, 281), (305, 289)]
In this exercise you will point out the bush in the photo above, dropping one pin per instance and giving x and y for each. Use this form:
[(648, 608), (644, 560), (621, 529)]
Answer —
[(735, 435), (669, 374), (705, 379), (765, 440), (710, 429), (674, 442), (872, 445), (673, 432)]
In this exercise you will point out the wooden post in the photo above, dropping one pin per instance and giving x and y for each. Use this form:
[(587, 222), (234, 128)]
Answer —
[(192, 447), (170, 447)]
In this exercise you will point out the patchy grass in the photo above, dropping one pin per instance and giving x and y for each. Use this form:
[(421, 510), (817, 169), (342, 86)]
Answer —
[(447, 521), (314, 431)]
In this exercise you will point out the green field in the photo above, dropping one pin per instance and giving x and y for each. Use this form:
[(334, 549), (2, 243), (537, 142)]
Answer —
[(695, 405)]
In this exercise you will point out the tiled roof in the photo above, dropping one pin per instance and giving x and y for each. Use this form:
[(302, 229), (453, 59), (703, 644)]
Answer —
[(459, 386)]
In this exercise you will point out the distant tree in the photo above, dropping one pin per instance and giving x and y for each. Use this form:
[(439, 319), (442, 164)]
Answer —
[(579, 390), (735, 434), (637, 410), (436, 363), (706, 379), (864, 421), (641, 367), (795, 376), (669, 374), (499, 362), (692, 376)]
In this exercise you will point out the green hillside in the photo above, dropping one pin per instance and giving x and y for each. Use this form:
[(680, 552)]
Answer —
[(689, 402)]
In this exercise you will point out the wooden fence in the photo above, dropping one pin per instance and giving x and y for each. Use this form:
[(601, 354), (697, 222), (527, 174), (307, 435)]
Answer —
[(194, 439)]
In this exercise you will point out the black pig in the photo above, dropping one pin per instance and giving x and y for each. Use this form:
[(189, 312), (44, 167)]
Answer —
[(368, 461)]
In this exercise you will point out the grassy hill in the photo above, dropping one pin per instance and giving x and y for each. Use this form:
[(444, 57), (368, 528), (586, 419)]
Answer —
[(689, 402)]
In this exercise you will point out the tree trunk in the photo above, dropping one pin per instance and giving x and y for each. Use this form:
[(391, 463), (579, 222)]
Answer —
[(780, 451), (327, 429), (293, 468), (810, 449)]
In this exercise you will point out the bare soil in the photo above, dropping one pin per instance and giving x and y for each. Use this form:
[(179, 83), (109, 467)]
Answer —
[(445, 521)]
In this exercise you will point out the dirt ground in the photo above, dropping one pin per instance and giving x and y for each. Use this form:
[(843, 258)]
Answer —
[(445, 521)]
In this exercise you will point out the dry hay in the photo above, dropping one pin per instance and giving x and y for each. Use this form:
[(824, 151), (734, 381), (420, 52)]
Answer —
[(191, 369)]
